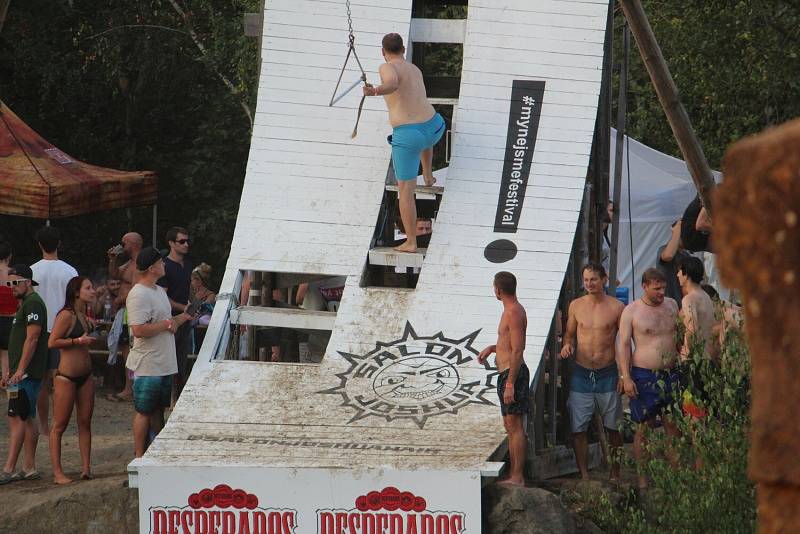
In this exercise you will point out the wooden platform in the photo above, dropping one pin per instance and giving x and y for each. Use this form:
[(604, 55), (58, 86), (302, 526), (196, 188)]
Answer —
[(283, 317), (391, 257), (421, 189), (399, 398)]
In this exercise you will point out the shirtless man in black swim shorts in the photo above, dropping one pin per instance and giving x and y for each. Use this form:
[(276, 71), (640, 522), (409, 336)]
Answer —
[(514, 380)]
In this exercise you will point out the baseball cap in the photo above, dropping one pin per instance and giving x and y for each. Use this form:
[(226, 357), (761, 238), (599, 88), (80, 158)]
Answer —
[(147, 257), (24, 271)]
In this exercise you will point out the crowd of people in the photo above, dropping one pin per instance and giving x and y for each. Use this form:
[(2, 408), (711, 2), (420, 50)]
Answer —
[(148, 307), (643, 350)]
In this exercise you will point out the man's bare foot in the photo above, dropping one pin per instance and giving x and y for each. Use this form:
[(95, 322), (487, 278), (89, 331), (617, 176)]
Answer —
[(429, 181), (87, 476), (62, 480), (519, 483), (405, 247)]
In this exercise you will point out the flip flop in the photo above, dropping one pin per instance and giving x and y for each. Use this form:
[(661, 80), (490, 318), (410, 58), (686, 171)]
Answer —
[(7, 478), (33, 475)]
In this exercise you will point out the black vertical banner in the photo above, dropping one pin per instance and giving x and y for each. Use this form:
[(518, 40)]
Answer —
[(523, 128)]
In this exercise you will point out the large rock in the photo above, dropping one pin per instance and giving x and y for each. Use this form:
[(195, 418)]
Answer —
[(510, 510), (99, 506)]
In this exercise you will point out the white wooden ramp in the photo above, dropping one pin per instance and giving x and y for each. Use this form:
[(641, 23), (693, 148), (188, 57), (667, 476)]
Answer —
[(392, 431)]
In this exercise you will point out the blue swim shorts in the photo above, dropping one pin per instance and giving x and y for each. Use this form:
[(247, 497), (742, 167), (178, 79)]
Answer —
[(593, 390), (24, 405), (409, 140), (151, 393), (657, 392)]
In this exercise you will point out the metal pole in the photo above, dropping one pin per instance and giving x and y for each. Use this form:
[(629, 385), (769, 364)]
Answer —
[(155, 224), (670, 100), (622, 110)]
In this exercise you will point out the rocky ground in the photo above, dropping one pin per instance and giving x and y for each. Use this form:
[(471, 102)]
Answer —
[(103, 504)]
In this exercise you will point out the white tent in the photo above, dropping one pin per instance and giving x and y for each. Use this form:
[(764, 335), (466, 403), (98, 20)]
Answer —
[(660, 189)]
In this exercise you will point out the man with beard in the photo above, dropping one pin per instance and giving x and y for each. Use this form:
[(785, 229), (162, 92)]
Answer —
[(648, 375)]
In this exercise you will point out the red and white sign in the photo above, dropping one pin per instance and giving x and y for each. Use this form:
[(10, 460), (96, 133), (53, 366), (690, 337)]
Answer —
[(222, 510), (389, 511)]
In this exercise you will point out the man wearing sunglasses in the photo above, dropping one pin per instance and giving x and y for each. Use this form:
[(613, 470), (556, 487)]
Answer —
[(27, 355), (176, 281)]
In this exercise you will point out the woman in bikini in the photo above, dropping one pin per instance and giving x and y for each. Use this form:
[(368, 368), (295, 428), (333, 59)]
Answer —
[(73, 384)]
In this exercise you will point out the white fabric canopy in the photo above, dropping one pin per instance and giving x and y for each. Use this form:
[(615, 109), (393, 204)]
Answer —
[(660, 189)]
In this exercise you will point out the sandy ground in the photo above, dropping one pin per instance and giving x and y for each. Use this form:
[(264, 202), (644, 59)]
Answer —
[(112, 449)]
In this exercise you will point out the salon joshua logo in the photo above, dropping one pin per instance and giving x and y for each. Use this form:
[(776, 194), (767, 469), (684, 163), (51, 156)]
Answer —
[(222, 510), (414, 378), (389, 511)]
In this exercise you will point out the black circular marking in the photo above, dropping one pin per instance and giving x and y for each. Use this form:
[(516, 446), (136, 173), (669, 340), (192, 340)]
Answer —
[(500, 251)]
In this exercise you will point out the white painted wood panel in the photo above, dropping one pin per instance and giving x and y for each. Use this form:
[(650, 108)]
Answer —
[(310, 204)]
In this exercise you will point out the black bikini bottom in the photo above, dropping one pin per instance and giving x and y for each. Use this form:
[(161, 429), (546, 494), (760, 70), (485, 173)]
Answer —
[(77, 380)]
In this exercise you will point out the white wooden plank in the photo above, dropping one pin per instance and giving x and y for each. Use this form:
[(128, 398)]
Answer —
[(438, 30), (283, 317), (390, 257)]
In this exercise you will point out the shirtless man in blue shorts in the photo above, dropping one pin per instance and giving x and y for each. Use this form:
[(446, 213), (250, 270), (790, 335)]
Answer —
[(649, 377), (594, 383), (416, 128)]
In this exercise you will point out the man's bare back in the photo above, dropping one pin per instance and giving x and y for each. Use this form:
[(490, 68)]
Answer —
[(697, 314), (596, 322), (409, 103), (512, 317), (653, 333)]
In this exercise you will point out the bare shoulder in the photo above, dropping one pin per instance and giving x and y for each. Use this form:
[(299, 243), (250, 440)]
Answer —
[(670, 302), (630, 309)]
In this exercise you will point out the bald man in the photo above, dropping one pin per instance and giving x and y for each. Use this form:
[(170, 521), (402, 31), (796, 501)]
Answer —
[(127, 274), (132, 244)]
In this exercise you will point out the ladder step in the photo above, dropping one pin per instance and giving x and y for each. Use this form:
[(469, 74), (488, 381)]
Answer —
[(421, 189), (390, 257), (283, 317)]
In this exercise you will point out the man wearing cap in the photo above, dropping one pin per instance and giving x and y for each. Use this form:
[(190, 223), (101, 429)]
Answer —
[(27, 355), (152, 356)]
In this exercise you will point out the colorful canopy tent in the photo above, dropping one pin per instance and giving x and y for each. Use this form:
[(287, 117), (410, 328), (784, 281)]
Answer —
[(39, 180)]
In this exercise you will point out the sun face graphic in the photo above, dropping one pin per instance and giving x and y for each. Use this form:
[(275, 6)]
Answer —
[(415, 378)]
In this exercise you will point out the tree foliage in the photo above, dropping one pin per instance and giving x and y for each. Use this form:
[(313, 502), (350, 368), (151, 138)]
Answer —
[(735, 64), (124, 85)]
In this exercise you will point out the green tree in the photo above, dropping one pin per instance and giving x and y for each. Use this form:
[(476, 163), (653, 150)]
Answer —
[(160, 85), (735, 64)]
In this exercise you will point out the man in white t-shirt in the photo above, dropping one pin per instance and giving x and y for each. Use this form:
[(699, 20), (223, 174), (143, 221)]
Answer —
[(53, 275), (152, 356)]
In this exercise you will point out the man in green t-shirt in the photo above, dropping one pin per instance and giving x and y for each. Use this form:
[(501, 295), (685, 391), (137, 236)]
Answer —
[(27, 359)]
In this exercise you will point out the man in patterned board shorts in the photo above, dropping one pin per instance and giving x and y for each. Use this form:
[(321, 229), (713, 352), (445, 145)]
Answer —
[(514, 381), (592, 326), (649, 376)]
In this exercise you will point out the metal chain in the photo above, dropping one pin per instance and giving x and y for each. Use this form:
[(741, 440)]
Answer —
[(350, 23)]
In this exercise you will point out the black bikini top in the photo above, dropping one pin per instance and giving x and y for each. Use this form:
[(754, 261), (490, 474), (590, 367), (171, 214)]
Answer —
[(77, 330)]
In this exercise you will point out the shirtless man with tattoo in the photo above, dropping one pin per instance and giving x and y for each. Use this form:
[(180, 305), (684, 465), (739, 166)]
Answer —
[(514, 380)]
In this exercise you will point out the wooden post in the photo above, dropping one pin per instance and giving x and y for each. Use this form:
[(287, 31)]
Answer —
[(3, 12), (758, 231), (670, 100), (598, 174), (622, 111)]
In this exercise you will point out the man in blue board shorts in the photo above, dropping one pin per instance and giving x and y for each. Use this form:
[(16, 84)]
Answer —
[(416, 128)]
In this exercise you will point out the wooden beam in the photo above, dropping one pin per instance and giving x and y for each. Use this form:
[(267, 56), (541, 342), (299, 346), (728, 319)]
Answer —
[(421, 189), (253, 24), (283, 317), (622, 113), (392, 258), (670, 100)]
